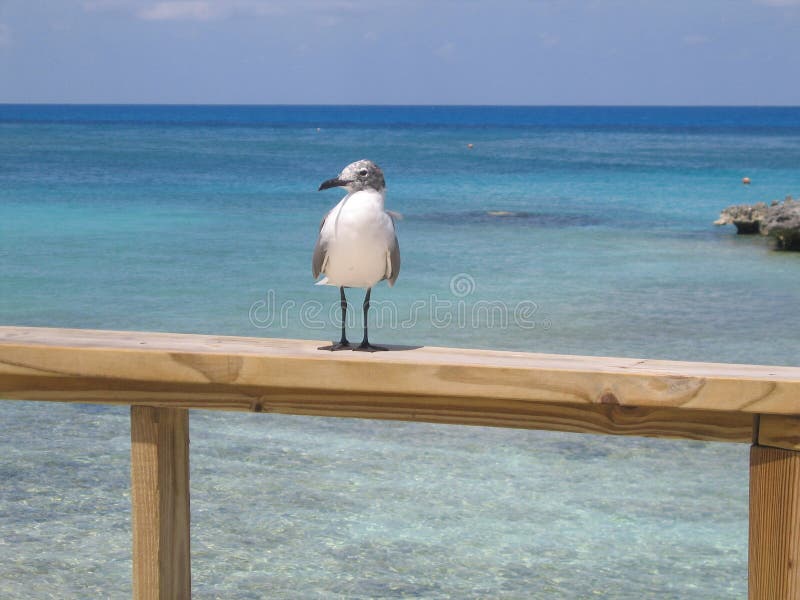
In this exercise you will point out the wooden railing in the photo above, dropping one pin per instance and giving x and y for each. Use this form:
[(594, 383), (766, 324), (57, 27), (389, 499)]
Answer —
[(162, 375)]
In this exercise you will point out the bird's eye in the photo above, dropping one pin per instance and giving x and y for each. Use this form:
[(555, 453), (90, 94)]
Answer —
[(363, 172)]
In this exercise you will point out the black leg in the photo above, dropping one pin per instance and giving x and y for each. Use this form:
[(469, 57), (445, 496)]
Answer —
[(365, 346), (343, 343), (343, 302)]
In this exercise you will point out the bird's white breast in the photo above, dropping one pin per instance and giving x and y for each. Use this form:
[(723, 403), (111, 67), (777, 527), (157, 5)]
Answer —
[(358, 233)]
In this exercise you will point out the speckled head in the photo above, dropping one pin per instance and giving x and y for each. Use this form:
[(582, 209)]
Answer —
[(360, 175)]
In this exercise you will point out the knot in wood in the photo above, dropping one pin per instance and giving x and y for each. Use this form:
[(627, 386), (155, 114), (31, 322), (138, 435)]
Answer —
[(608, 398)]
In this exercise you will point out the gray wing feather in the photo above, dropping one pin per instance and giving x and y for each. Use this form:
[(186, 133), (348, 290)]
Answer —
[(394, 259), (320, 250)]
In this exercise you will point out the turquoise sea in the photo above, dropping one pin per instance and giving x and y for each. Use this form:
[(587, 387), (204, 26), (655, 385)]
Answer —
[(562, 229)]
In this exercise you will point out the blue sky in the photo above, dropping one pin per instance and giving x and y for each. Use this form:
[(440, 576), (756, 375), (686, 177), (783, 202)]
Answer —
[(401, 52)]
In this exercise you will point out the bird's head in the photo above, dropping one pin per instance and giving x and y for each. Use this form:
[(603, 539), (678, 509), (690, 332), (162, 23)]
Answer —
[(360, 175)]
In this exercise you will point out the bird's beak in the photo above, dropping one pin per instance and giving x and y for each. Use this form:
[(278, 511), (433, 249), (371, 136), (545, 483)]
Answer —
[(335, 182)]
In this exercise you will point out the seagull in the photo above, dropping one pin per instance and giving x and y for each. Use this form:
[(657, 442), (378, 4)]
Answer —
[(357, 243)]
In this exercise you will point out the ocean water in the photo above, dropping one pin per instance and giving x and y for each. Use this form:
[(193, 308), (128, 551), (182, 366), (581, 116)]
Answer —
[(562, 229)]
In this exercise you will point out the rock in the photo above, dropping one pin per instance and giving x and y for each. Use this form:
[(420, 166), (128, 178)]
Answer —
[(782, 222), (746, 217)]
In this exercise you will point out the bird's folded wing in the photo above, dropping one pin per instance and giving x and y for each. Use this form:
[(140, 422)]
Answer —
[(393, 261), (320, 252)]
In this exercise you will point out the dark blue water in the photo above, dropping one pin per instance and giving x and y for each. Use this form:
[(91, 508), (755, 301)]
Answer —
[(588, 229), (701, 119)]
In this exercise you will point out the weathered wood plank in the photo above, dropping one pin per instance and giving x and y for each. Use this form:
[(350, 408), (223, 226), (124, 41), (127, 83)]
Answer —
[(607, 420), (774, 562), (577, 418), (160, 499), (569, 393)]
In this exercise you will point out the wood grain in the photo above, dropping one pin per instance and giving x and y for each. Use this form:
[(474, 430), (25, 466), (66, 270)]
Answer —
[(779, 431), (480, 387), (160, 502), (774, 561)]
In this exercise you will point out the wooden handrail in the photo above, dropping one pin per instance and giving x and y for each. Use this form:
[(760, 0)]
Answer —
[(173, 372), (480, 387)]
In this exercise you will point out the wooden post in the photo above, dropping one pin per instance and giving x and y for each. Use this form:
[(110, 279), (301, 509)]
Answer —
[(160, 497), (774, 569)]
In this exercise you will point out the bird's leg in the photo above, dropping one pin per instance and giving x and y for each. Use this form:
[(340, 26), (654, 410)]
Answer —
[(365, 346), (343, 302), (343, 343)]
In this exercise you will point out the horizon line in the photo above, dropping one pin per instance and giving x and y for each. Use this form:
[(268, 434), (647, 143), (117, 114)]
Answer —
[(389, 105)]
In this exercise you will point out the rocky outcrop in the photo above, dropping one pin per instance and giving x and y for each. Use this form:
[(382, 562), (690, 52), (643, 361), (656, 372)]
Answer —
[(746, 217), (779, 220), (782, 223)]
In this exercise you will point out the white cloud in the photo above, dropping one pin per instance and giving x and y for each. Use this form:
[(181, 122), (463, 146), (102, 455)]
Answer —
[(181, 10), (206, 10)]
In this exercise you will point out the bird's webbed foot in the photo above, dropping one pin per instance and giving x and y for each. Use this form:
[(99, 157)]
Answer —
[(367, 347)]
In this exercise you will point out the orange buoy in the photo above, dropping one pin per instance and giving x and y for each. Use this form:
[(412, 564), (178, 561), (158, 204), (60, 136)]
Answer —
[(746, 180)]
